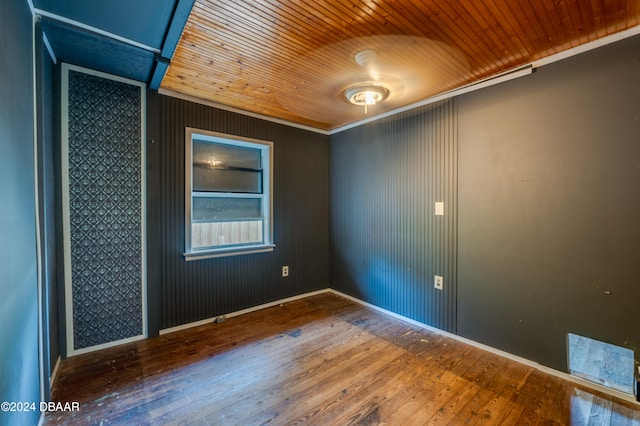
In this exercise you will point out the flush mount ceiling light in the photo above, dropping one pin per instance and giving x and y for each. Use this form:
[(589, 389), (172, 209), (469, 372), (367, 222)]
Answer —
[(366, 94)]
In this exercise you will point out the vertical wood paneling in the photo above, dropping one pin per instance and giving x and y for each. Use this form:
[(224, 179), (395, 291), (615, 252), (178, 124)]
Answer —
[(196, 290), (387, 243)]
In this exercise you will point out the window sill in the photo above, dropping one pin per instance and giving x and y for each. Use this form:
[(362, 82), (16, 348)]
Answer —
[(231, 251)]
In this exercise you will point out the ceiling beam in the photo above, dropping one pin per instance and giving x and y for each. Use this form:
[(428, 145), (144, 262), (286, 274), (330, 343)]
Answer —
[(178, 21)]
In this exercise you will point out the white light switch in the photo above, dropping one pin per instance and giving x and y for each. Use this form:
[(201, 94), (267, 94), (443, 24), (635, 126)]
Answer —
[(439, 208)]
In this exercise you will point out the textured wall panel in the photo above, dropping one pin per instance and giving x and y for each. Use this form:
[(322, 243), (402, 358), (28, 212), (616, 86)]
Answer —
[(184, 292), (105, 209), (387, 243)]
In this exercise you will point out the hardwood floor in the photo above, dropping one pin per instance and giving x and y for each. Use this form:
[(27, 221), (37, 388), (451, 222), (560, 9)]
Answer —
[(321, 360)]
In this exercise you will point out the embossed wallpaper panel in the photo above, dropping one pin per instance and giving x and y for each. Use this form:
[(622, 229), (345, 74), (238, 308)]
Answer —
[(104, 190)]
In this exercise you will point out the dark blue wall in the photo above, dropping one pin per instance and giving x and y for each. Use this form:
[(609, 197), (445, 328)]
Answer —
[(181, 292), (19, 374), (549, 229), (545, 232), (387, 243), (47, 160)]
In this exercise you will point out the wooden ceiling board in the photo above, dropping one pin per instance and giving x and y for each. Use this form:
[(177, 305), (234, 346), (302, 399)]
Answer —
[(292, 60)]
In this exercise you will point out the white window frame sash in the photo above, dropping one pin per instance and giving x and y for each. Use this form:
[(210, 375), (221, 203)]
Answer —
[(266, 196)]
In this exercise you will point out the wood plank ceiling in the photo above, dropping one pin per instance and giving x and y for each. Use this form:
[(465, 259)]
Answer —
[(292, 60)]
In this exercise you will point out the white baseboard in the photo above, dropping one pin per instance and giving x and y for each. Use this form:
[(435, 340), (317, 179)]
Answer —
[(54, 373), (595, 386), (512, 357), (52, 379), (242, 312)]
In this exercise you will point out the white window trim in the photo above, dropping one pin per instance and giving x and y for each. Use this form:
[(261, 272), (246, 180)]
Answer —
[(267, 245)]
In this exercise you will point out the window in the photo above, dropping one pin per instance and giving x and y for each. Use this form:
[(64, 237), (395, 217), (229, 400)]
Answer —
[(228, 195)]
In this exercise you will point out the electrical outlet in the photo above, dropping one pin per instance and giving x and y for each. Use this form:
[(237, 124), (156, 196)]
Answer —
[(285, 271), (438, 282)]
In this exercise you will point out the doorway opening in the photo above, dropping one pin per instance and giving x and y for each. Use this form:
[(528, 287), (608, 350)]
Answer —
[(609, 365)]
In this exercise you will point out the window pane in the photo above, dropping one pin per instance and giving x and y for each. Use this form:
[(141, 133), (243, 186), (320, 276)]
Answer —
[(210, 179), (228, 180), (223, 168), (217, 234), (226, 155), (226, 209)]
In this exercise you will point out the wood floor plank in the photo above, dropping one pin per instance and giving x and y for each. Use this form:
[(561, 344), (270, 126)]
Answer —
[(351, 398), (514, 376), (421, 396), (624, 416), (490, 383), (436, 399), (260, 385), (322, 360), (304, 396), (357, 404)]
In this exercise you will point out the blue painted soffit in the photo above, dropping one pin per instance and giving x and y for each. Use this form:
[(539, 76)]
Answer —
[(80, 32), (145, 21), (83, 48)]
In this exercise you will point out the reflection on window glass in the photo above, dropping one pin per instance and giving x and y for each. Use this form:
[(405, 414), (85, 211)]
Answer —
[(224, 168), (207, 179), (216, 154)]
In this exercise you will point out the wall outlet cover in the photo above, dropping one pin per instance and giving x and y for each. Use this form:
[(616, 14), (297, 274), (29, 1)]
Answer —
[(438, 282)]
